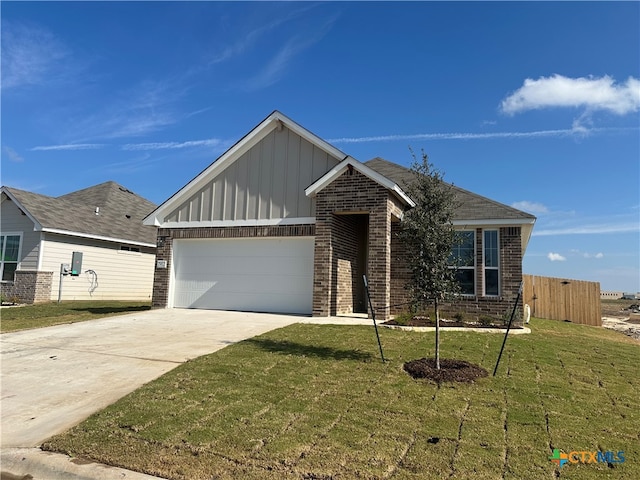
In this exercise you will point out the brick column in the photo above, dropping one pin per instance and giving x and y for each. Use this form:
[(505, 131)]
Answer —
[(322, 262), (160, 298), (379, 273)]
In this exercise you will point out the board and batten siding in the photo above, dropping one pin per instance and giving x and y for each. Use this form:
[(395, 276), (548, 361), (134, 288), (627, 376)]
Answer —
[(122, 275), (14, 221), (267, 182)]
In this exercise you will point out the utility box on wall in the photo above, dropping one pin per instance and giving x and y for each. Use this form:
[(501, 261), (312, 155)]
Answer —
[(76, 263)]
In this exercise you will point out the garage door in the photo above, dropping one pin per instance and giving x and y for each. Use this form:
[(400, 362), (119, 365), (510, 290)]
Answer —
[(257, 275)]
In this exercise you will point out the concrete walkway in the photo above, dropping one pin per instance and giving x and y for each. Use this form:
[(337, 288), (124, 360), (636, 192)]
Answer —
[(53, 378)]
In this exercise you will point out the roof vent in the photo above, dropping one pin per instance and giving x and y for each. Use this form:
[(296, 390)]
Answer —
[(97, 210)]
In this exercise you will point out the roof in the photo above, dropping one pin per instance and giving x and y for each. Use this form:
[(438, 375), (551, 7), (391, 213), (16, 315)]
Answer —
[(339, 169), (107, 211), (472, 207)]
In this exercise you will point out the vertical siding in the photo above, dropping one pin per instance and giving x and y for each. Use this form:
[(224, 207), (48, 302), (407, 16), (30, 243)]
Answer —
[(121, 275), (266, 182), (12, 220)]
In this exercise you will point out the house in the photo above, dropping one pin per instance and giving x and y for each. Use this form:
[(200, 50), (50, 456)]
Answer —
[(285, 222), (104, 222)]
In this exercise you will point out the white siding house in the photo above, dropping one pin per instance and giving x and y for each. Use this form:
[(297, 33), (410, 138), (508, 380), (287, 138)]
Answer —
[(104, 223)]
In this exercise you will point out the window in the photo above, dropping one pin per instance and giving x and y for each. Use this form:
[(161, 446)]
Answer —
[(463, 258), (127, 248), (9, 253), (491, 262)]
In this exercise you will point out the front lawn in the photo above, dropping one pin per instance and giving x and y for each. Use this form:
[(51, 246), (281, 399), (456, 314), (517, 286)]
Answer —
[(52, 313), (315, 402)]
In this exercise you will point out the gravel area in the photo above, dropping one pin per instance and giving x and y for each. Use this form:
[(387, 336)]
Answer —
[(622, 325)]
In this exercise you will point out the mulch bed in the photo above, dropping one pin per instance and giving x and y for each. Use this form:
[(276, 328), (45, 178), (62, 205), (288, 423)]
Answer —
[(420, 321), (451, 370)]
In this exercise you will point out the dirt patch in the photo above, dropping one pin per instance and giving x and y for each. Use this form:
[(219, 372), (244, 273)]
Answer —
[(628, 327), (451, 370)]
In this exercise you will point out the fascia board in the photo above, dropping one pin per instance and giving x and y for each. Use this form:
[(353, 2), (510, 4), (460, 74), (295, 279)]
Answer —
[(313, 189), (156, 218), (242, 223), (236, 151), (97, 237), (310, 137), (493, 222), (37, 226)]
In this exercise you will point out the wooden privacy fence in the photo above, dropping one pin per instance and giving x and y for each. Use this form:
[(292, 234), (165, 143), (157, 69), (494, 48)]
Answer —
[(563, 299)]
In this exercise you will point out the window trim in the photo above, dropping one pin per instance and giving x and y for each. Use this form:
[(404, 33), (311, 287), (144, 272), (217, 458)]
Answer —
[(473, 268), (17, 262), (485, 268)]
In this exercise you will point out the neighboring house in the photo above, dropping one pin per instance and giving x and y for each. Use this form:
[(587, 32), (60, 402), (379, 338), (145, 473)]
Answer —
[(39, 233), (609, 295), (285, 222)]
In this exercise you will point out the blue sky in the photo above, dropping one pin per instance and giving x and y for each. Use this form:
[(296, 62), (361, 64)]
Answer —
[(535, 105)]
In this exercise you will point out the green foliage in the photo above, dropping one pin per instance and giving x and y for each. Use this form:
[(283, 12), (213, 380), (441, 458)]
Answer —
[(428, 232)]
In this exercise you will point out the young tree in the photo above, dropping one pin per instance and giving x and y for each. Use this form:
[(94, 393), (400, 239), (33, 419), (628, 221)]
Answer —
[(429, 235)]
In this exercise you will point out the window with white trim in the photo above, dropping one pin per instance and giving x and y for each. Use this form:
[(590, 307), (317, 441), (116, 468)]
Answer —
[(463, 260), (129, 248), (491, 262), (9, 255)]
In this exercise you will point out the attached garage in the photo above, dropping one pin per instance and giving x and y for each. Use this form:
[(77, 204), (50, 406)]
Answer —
[(245, 274)]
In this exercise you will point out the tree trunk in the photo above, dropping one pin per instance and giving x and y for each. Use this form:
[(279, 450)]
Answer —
[(437, 334)]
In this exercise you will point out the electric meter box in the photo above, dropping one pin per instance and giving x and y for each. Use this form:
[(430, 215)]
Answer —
[(76, 263)]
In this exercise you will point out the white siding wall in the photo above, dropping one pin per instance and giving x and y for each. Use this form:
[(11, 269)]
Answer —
[(14, 221), (121, 275)]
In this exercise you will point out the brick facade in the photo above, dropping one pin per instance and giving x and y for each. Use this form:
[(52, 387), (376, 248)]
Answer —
[(356, 231), (29, 286), (471, 307), (352, 194)]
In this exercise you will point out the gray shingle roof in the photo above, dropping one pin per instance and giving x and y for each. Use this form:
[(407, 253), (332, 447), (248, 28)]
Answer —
[(472, 206), (120, 212)]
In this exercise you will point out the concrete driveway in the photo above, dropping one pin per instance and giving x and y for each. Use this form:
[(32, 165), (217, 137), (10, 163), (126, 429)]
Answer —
[(55, 377)]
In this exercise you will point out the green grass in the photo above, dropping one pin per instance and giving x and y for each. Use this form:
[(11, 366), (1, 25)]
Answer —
[(316, 402), (52, 313)]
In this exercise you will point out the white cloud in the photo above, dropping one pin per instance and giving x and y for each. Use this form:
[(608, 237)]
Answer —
[(531, 207), (30, 55), (555, 257), (592, 93), (211, 142), (70, 146), (12, 154)]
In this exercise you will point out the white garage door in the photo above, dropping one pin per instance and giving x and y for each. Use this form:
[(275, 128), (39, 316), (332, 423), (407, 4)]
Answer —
[(246, 274)]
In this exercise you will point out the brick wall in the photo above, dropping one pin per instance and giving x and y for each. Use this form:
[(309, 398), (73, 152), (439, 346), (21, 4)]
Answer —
[(160, 297), (349, 194), (29, 286), (349, 238), (471, 307), (400, 272)]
